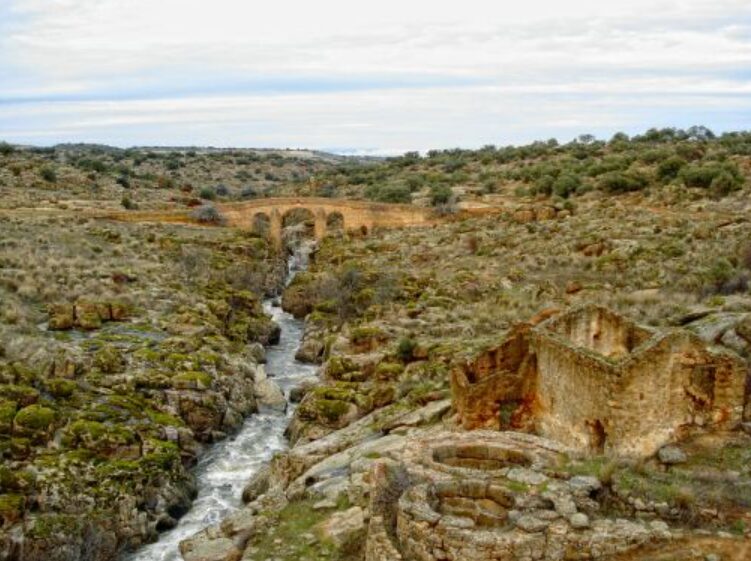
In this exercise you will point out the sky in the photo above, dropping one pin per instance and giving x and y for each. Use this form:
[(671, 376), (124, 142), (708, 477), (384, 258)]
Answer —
[(368, 77)]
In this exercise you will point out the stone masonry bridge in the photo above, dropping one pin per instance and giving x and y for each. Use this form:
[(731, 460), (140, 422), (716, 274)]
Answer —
[(352, 215)]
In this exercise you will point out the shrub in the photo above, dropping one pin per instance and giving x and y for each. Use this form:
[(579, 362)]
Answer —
[(222, 190), (388, 193), (207, 193), (440, 195), (128, 203), (566, 184), (123, 181), (6, 149), (405, 349), (724, 183), (703, 175), (544, 185), (164, 182), (248, 193), (48, 174), (622, 182), (208, 214), (670, 168)]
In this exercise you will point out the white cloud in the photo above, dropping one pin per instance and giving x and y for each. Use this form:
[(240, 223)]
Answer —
[(474, 58)]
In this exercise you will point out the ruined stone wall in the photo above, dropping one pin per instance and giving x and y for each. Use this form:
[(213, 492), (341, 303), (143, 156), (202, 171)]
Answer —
[(650, 403), (599, 330), (495, 383), (574, 394)]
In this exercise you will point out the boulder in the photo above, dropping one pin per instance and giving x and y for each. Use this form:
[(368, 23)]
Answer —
[(297, 393), (579, 521), (671, 455), (88, 315), (268, 393), (257, 485), (61, 316), (342, 528), (218, 549)]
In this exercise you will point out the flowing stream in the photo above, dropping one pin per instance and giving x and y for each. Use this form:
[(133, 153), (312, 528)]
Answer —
[(225, 468)]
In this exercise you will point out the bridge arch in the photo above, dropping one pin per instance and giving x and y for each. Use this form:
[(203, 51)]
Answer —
[(354, 216), (335, 223), (260, 223)]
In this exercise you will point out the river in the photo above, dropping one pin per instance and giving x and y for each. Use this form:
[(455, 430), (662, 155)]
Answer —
[(225, 468)]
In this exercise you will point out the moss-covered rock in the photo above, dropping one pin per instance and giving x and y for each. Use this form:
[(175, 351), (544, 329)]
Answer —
[(22, 395), (192, 380), (33, 421), (104, 439), (11, 508), (60, 387), (109, 359), (88, 315), (8, 411), (61, 316)]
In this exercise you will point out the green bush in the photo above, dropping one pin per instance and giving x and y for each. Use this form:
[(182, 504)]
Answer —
[(207, 193), (703, 176), (670, 168), (48, 174), (440, 194), (388, 193), (405, 349), (622, 182), (724, 183), (128, 203), (566, 184), (6, 149)]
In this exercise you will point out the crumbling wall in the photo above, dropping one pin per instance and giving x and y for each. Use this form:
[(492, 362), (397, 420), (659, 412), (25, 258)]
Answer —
[(597, 382), (574, 395), (599, 330), (490, 389)]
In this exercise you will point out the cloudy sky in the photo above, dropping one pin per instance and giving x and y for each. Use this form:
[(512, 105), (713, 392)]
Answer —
[(380, 77)]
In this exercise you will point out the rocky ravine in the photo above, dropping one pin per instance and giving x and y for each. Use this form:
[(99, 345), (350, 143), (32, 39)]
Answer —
[(111, 393)]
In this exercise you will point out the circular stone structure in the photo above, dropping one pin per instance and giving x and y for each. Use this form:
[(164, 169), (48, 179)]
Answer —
[(492, 496), (480, 520), (481, 454)]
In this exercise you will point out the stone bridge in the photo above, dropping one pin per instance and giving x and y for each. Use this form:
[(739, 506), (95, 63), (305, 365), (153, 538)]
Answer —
[(351, 215)]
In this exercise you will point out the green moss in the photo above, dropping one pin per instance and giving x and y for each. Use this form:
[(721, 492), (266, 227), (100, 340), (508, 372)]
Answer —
[(388, 370), (7, 413), (192, 380), (361, 335), (23, 395), (164, 419), (289, 528), (109, 359), (34, 417), (15, 479), (60, 387), (47, 525), (11, 506)]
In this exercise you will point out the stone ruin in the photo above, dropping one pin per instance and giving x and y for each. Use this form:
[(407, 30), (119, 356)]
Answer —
[(598, 383), (490, 496)]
